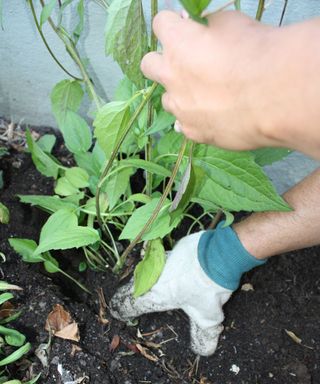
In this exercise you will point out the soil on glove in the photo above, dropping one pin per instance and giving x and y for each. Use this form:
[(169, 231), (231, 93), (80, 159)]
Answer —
[(254, 347)]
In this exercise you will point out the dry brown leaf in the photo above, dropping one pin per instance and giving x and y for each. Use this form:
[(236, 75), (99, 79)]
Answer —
[(151, 344), (132, 347), (114, 343), (204, 380), (146, 353), (75, 349), (60, 323), (102, 307), (7, 309), (70, 332)]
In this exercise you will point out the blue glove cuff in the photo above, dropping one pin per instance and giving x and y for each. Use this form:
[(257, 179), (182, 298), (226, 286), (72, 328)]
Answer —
[(223, 258)]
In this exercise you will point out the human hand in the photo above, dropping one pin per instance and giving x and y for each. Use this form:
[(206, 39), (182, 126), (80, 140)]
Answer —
[(215, 77), (182, 285)]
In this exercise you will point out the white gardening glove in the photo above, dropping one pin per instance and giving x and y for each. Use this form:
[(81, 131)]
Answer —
[(182, 285)]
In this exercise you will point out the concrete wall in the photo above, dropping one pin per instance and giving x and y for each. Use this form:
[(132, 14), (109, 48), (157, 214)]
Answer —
[(27, 72)]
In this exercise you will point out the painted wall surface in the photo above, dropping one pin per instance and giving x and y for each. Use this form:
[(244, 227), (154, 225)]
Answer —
[(28, 73)]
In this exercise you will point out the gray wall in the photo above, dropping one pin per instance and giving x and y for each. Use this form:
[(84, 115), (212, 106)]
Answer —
[(27, 72)]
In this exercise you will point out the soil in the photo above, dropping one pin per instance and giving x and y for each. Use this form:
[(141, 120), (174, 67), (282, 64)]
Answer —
[(286, 296)]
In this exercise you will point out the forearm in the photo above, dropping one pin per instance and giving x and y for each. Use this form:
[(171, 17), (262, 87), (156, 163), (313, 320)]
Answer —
[(291, 110), (272, 233)]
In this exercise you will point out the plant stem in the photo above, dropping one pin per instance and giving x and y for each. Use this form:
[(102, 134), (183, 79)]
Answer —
[(72, 51), (148, 149), (260, 10), (216, 219), (283, 12), (75, 281), (158, 207), (116, 149), (47, 45)]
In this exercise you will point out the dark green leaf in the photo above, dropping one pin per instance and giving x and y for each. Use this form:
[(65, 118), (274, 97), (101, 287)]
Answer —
[(46, 11), (195, 7), (266, 156), (126, 37), (148, 271), (44, 163), (235, 182)]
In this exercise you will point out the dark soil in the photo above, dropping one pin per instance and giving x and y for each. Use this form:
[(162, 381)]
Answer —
[(286, 296)]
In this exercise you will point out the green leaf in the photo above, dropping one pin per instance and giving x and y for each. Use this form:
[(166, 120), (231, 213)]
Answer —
[(229, 219), (44, 163), (5, 297), (3, 150), (266, 156), (76, 133), (160, 228), (4, 286), (51, 265), (207, 205), (79, 27), (47, 142), (110, 122), (125, 90), (16, 355), (66, 96), (12, 337), (48, 203), (78, 177), (126, 37), (4, 214), (65, 188), (140, 198), (46, 11), (170, 143), (237, 5), (148, 166), (163, 121), (26, 248), (148, 271), (195, 7), (61, 231), (117, 185), (235, 182)]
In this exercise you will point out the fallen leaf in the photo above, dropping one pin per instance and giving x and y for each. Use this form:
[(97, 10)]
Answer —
[(114, 343), (102, 307), (151, 344), (247, 287), (146, 353), (132, 347), (75, 349), (60, 323), (6, 310)]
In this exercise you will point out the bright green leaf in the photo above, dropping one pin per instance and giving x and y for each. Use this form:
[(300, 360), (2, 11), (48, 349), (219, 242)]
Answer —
[(110, 122), (66, 95), (117, 185), (26, 248), (148, 271), (5, 297), (64, 187), (12, 337), (4, 214), (16, 355), (148, 166), (163, 121), (159, 229), (48, 203), (79, 27), (78, 177), (61, 231), (51, 265), (126, 37), (46, 11), (44, 163), (47, 142)]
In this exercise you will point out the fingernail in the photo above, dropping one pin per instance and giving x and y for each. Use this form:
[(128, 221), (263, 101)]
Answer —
[(177, 127)]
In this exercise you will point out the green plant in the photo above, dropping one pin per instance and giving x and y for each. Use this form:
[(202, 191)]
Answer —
[(13, 345), (94, 205)]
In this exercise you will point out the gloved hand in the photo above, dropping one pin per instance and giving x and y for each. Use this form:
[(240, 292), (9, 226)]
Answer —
[(198, 279)]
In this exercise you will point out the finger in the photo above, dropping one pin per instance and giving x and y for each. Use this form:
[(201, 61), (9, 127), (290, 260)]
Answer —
[(152, 67), (166, 25), (168, 103)]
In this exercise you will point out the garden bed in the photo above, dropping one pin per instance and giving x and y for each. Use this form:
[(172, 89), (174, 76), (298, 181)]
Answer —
[(254, 348)]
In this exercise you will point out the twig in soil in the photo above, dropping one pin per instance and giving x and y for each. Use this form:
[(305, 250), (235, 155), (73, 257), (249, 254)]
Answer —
[(216, 219), (194, 367), (171, 370), (102, 307)]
